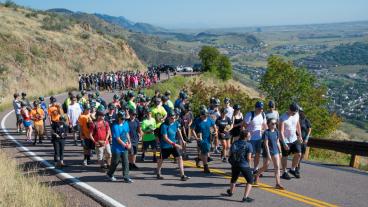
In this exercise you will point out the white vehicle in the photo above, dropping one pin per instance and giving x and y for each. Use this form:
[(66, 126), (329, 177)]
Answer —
[(179, 68), (188, 69)]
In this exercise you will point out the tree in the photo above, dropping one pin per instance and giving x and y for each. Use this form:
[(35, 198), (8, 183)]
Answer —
[(285, 84), (214, 62)]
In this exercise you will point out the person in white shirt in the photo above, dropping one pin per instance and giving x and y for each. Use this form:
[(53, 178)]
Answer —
[(230, 109), (256, 123), (290, 138), (74, 111), (272, 113)]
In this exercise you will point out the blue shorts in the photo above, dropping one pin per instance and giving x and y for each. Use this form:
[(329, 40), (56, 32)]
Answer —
[(204, 147), (27, 123), (256, 145)]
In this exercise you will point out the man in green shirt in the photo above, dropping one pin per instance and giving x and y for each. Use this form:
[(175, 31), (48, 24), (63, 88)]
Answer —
[(149, 140), (169, 102), (131, 103)]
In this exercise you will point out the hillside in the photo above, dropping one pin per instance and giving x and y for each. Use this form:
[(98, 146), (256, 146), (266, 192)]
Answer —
[(43, 52)]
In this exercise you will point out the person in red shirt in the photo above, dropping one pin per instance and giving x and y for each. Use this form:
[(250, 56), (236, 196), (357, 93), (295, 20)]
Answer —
[(101, 135)]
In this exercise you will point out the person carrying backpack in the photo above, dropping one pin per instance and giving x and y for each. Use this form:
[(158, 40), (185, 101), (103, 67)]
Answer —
[(37, 116), (240, 155), (59, 131)]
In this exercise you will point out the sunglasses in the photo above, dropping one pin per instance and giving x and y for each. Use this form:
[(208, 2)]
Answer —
[(273, 123)]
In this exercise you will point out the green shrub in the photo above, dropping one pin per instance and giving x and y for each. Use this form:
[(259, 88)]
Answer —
[(9, 3), (37, 51), (3, 69), (85, 35), (20, 57), (56, 22), (32, 14)]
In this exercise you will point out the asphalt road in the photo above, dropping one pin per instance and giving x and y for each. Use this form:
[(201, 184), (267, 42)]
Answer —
[(320, 185)]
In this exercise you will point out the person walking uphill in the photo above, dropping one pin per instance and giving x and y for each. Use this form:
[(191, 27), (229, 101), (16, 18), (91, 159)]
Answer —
[(74, 111), (120, 146), (135, 133), (37, 115), (17, 108), (59, 130)]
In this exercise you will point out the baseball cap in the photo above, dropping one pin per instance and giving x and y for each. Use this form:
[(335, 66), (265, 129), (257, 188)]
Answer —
[(259, 104)]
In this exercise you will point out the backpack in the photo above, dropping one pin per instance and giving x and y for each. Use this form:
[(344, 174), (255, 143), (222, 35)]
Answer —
[(237, 153), (253, 114)]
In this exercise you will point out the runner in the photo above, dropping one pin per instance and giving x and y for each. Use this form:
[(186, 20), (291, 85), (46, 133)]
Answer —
[(201, 130), (99, 132), (224, 125), (237, 121), (27, 121), (17, 108), (37, 116), (59, 130), (74, 111), (256, 123), (306, 128), (149, 139), (84, 121), (272, 113), (240, 156), (120, 146), (169, 146), (135, 133), (271, 151), (290, 137)]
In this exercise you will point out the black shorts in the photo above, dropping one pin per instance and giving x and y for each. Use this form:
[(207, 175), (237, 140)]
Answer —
[(294, 148), (246, 171), (133, 150), (165, 153), (88, 144), (304, 148), (150, 144)]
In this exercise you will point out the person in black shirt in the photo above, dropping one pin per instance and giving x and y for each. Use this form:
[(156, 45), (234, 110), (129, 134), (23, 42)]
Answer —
[(306, 128), (224, 125)]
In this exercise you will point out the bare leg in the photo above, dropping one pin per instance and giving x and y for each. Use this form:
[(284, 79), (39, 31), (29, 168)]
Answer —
[(248, 187), (181, 166)]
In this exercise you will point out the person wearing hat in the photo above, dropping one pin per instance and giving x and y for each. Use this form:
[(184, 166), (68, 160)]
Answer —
[(237, 121), (100, 134), (25, 99), (159, 114), (27, 121), (110, 116), (58, 136), (272, 113), (224, 125), (290, 139), (43, 106), (84, 121), (131, 103), (201, 130), (120, 147), (169, 102), (17, 108), (169, 145), (135, 133), (255, 121), (37, 116), (214, 114), (74, 111), (165, 104), (116, 101), (229, 108), (67, 102), (306, 129), (54, 111), (149, 139)]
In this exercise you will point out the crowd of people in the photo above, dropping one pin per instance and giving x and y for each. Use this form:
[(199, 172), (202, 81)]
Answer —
[(113, 131)]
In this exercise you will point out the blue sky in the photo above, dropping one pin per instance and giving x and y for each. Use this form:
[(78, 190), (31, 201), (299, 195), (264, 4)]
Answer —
[(217, 13)]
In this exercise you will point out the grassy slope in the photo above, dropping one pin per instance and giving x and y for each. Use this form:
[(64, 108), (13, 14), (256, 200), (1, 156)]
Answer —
[(40, 61)]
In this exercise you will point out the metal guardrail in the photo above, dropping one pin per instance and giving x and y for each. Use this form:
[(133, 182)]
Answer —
[(354, 148)]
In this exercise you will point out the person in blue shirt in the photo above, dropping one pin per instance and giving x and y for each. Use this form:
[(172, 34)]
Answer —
[(168, 142), (120, 146), (201, 130)]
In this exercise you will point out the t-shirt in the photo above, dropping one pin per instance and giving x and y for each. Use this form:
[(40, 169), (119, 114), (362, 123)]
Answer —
[(83, 123), (111, 118), (170, 104), (230, 112), (203, 127), (255, 125), (222, 123), (272, 115), (119, 131), (177, 103), (132, 105), (17, 106), (247, 146), (169, 130), (99, 130), (186, 119), (305, 125), (158, 113), (290, 123), (214, 114), (273, 138), (148, 125), (133, 131), (54, 113), (37, 116), (167, 108), (74, 111)]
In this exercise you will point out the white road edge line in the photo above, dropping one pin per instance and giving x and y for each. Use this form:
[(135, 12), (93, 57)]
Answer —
[(84, 187)]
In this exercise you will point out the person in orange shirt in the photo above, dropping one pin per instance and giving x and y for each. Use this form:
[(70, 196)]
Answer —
[(84, 120), (54, 111), (37, 116)]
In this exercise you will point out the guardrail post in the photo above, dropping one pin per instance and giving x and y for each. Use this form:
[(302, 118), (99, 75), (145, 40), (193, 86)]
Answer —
[(355, 161)]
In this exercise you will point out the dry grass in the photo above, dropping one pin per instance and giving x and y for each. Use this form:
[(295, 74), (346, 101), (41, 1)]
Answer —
[(39, 61), (20, 190)]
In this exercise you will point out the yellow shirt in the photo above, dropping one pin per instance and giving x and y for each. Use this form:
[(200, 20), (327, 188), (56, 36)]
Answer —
[(37, 116), (159, 113), (83, 121)]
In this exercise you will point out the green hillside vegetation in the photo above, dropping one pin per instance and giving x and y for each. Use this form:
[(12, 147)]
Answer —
[(42, 53)]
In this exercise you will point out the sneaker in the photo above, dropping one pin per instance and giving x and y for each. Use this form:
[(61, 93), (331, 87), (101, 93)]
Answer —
[(197, 160), (184, 178), (206, 169), (224, 159), (159, 177), (216, 151), (34, 143), (248, 200), (279, 187), (209, 159), (128, 180), (85, 163), (111, 178), (142, 158), (229, 193), (40, 142), (294, 173), (285, 176), (18, 130), (135, 167)]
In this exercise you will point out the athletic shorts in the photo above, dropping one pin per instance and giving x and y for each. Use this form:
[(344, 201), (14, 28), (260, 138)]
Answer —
[(149, 144), (75, 128), (39, 130), (104, 151), (226, 137), (19, 118), (294, 147), (88, 144), (27, 123), (256, 145), (165, 153), (204, 147), (303, 148), (133, 150), (246, 171), (157, 132)]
